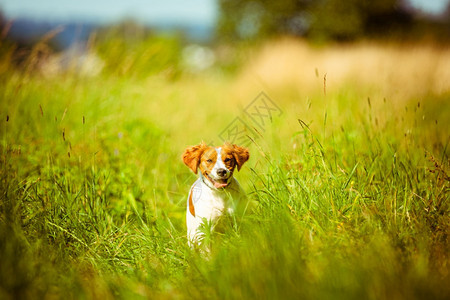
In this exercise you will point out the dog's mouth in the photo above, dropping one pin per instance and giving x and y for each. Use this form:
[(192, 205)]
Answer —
[(218, 183)]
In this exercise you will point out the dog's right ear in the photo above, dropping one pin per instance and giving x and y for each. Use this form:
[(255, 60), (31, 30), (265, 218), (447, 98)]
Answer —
[(191, 156)]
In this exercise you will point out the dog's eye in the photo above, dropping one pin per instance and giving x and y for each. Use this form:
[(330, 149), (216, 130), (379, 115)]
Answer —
[(227, 159), (209, 160)]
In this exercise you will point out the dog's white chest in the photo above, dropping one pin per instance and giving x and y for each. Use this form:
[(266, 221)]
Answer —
[(211, 205), (207, 204)]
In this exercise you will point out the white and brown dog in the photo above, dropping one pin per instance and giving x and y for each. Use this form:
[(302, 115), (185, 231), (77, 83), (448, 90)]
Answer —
[(216, 192)]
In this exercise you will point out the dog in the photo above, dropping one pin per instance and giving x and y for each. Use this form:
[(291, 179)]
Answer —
[(216, 192)]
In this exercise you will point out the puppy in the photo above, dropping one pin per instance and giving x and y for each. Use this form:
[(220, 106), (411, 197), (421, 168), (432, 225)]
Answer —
[(216, 192)]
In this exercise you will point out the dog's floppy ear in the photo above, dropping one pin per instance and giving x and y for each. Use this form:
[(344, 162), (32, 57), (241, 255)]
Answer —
[(241, 155), (191, 156)]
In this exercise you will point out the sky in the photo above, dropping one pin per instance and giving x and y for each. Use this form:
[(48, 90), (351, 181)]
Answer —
[(429, 6), (146, 11)]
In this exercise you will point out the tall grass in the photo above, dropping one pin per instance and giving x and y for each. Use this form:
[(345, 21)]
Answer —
[(349, 189)]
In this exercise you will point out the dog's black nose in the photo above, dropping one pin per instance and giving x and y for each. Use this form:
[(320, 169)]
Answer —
[(221, 172)]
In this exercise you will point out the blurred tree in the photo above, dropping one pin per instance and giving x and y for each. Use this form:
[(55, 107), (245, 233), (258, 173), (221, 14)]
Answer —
[(247, 19), (387, 17), (317, 19), (335, 19)]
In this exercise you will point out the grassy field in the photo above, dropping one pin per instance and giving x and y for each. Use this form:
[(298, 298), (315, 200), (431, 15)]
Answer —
[(349, 183)]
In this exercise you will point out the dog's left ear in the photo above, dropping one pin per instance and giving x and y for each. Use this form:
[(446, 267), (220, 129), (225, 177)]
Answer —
[(191, 156), (241, 155)]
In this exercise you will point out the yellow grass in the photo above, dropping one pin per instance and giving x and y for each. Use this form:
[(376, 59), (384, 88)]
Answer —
[(403, 71)]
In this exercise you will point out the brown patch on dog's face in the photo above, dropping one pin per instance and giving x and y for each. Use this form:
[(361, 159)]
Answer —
[(239, 155), (228, 158), (208, 160)]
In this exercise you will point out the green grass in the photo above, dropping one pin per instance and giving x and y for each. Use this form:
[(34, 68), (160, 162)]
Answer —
[(350, 196)]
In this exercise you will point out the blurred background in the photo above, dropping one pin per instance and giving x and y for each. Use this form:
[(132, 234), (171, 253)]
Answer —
[(199, 34), (210, 21), (316, 59)]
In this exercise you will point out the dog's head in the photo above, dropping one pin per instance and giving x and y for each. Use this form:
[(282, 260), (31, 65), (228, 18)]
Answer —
[(217, 164)]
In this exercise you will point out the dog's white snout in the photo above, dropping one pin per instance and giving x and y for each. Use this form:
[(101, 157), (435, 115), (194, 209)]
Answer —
[(220, 170)]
